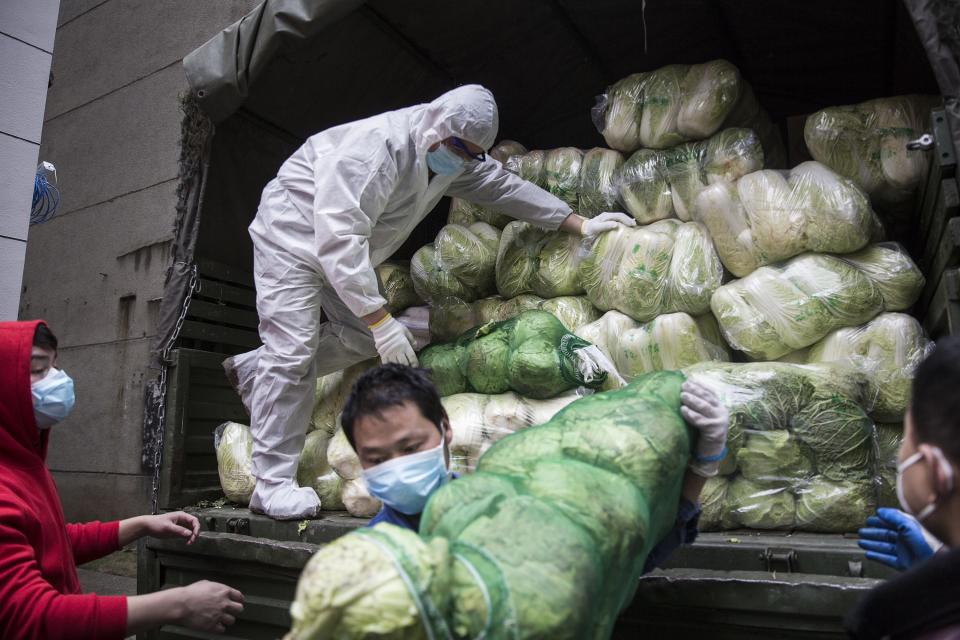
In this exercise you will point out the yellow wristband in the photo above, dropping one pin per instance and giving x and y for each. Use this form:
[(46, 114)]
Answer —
[(380, 321)]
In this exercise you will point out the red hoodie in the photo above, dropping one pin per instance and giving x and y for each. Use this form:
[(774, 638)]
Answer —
[(39, 590)]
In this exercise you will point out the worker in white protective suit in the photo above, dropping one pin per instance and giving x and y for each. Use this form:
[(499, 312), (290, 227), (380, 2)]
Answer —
[(342, 204)]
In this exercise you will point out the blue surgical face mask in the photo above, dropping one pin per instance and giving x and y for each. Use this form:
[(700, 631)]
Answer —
[(53, 398), (444, 162), (405, 483)]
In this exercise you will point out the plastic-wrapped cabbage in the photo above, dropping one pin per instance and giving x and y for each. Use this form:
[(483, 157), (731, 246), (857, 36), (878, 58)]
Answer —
[(572, 311), (506, 148), (464, 214), (668, 342), (867, 143), (234, 446), (354, 587), (314, 471), (331, 395), (889, 266), (888, 350), (342, 458), (396, 286), (479, 420), (773, 456), (714, 515), (598, 190), (562, 169), (460, 263), (532, 354), (357, 499), (761, 505), (680, 103), (889, 437), (827, 506), (644, 272), (778, 309), (531, 260), (601, 480), (654, 185), (530, 167), (769, 216)]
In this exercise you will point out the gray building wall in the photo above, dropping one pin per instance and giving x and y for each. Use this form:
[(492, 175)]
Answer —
[(26, 46), (95, 272)]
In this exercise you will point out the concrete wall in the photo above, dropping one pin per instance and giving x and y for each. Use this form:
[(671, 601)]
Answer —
[(95, 272), (26, 46)]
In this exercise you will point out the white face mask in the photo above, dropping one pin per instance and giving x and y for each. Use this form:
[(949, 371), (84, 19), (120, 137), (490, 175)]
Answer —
[(944, 464)]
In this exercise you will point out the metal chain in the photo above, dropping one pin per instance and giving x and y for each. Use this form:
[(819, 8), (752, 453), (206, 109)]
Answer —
[(193, 287)]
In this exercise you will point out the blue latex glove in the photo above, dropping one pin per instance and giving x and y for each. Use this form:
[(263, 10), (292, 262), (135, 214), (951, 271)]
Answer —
[(895, 539)]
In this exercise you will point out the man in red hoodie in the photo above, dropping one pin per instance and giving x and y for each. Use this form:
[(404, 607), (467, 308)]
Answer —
[(39, 590)]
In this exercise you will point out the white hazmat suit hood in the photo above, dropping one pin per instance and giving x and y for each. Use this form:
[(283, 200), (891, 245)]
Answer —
[(468, 112), (345, 202)]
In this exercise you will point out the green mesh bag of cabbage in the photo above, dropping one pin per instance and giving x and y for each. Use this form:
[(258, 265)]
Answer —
[(600, 481), (532, 354)]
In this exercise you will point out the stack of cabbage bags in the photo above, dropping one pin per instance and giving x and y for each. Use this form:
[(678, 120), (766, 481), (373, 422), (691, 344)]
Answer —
[(682, 103), (781, 308), (800, 448), (769, 216), (451, 317), (655, 184), (668, 342), (459, 263), (867, 143), (546, 540), (532, 354), (666, 267)]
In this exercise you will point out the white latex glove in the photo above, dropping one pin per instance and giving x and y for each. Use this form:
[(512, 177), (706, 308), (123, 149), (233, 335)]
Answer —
[(607, 221), (394, 341), (703, 411)]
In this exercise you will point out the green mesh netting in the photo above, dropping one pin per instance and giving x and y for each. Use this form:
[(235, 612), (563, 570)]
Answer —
[(532, 354)]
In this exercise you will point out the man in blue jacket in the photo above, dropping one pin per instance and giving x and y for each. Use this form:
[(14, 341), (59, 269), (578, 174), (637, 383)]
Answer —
[(400, 431)]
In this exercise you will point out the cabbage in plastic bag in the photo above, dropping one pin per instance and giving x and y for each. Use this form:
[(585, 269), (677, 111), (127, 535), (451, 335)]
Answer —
[(761, 505), (459, 263), (681, 103), (867, 143), (770, 216), (888, 350), (889, 266), (531, 260), (773, 456), (668, 342), (464, 214), (234, 446), (314, 471), (778, 309), (562, 169), (828, 506), (654, 185), (598, 189), (665, 267), (396, 286)]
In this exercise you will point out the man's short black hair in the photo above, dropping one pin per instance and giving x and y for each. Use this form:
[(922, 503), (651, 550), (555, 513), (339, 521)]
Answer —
[(391, 385), (936, 399), (44, 338)]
